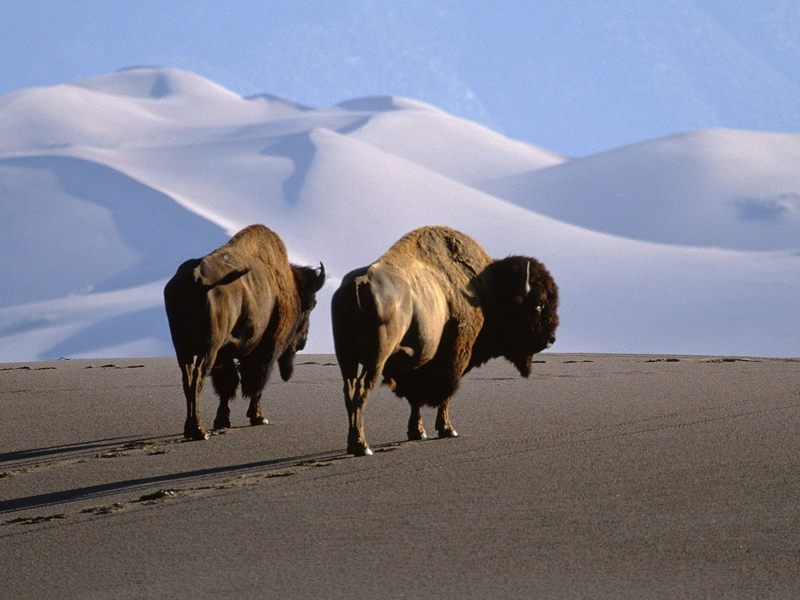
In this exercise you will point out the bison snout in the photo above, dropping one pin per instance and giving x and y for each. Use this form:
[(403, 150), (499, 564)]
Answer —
[(551, 340)]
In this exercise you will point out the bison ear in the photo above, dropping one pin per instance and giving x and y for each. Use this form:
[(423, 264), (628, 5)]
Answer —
[(320, 280)]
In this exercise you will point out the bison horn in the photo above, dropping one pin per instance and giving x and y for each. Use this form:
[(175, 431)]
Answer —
[(527, 286), (320, 276)]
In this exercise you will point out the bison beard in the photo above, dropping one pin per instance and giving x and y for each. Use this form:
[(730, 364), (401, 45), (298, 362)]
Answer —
[(234, 312), (434, 306)]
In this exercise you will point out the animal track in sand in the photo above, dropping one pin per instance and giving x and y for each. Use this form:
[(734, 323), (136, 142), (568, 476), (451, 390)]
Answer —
[(34, 520), (48, 368), (112, 366), (164, 495), (84, 453), (728, 360), (319, 364), (389, 447)]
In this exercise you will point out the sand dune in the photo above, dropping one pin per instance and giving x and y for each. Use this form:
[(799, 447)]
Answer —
[(684, 244)]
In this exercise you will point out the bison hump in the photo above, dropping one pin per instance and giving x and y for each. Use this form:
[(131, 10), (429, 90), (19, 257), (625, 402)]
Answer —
[(219, 268), (452, 252)]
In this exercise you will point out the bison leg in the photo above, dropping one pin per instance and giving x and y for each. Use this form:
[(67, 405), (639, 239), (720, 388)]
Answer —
[(226, 379), (443, 425), (356, 394), (192, 374), (416, 430), (254, 412), (353, 441), (254, 378)]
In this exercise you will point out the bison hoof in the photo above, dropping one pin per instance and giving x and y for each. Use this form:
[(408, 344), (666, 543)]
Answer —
[(196, 435), (414, 436), (222, 424), (259, 421), (359, 450), (448, 433)]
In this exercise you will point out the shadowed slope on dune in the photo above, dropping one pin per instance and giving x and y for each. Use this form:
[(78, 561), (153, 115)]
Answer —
[(91, 228)]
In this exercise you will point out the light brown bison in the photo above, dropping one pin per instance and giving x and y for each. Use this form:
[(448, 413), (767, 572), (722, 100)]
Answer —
[(242, 303), (434, 306)]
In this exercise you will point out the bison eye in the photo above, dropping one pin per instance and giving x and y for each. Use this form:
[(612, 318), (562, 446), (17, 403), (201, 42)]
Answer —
[(539, 308)]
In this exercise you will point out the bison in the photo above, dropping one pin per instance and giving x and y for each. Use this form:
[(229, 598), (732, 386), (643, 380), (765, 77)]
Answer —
[(242, 303), (434, 306)]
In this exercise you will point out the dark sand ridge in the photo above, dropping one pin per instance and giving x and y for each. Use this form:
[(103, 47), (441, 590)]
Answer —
[(601, 476)]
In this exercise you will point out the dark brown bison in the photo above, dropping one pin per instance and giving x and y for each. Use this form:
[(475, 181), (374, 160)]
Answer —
[(429, 310), (242, 303)]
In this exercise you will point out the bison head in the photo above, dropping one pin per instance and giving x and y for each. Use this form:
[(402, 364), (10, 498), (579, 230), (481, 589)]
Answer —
[(309, 281), (526, 314)]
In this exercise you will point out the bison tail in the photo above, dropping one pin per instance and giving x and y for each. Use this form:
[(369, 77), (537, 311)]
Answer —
[(219, 269)]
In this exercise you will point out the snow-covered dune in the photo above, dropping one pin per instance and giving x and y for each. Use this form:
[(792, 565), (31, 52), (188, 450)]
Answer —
[(731, 189), (682, 245)]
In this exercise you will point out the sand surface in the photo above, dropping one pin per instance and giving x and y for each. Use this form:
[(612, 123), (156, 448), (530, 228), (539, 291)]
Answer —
[(599, 477)]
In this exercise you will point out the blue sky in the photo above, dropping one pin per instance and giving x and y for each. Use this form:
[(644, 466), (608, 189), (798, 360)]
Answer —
[(574, 77)]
